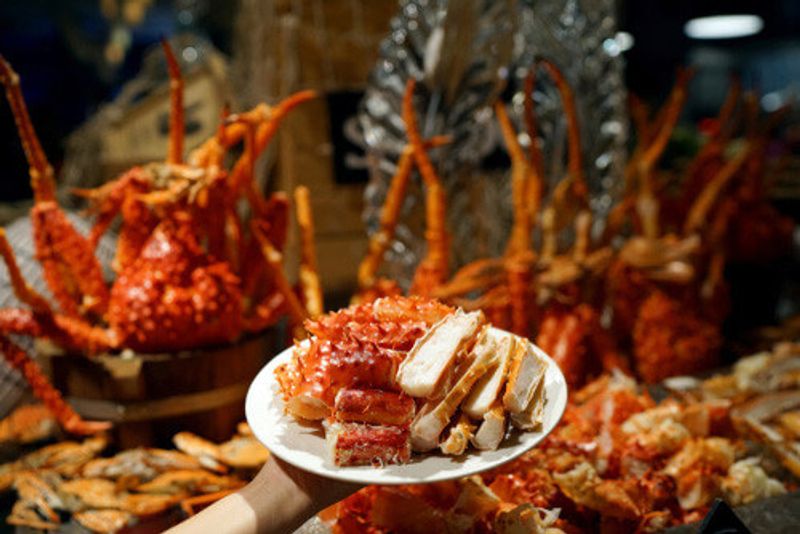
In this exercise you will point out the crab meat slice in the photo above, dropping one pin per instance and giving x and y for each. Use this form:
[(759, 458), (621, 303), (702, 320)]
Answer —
[(435, 355), (373, 406), (489, 388), (361, 444), (435, 415)]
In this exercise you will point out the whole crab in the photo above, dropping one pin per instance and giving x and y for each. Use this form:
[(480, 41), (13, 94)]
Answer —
[(170, 292)]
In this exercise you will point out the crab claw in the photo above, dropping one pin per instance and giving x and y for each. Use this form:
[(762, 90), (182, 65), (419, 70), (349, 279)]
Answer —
[(78, 426)]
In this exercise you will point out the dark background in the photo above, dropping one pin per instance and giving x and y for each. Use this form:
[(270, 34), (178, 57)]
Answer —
[(56, 47)]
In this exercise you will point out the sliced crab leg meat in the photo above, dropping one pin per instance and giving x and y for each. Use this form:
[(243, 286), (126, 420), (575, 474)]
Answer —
[(531, 417), (458, 437), (434, 355), (435, 416), (492, 429), (525, 374), (489, 388)]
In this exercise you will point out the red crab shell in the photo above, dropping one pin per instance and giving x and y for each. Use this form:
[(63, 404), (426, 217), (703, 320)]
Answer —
[(174, 296)]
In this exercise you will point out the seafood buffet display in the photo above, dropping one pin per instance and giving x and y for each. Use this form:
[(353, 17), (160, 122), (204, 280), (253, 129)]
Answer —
[(108, 493), (198, 257), (621, 462), (199, 263), (406, 373), (663, 286)]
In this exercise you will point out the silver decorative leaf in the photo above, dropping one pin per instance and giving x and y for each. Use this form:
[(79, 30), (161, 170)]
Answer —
[(459, 56)]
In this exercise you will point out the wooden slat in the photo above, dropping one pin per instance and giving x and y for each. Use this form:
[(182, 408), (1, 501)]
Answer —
[(157, 409)]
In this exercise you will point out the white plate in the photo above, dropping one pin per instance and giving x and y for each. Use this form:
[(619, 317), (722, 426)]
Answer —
[(303, 445)]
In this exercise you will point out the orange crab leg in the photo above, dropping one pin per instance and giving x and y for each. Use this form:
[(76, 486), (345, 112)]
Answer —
[(698, 213), (309, 276), (177, 125), (480, 274), (647, 206), (573, 131), (639, 115), (390, 214), (44, 391), (42, 321), (535, 152), (268, 120), (275, 227), (549, 241), (22, 289), (274, 261), (70, 269), (212, 151), (644, 129), (41, 172), (526, 186), (583, 228), (432, 271), (519, 274)]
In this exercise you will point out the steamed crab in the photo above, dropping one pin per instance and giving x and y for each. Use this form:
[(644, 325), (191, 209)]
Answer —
[(187, 273)]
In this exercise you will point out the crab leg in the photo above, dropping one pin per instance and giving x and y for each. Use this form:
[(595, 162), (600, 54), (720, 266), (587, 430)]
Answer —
[(646, 205), (44, 391), (275, 228), (535, 152), (571, 193), (390, 214), (480, 274), (716, 239), (432, 271), (526, 187), (549, 241), (268, 120), (309, 276), (42, 180), (698, 213), (72, 272), (212, 152), (575, 157), (22, 289), (519, 274), (42, 321), (274, 261), (583, 227), (177, 124), (125, 197)]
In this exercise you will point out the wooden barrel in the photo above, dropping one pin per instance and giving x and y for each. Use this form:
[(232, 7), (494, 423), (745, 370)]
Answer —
[(150, 397)]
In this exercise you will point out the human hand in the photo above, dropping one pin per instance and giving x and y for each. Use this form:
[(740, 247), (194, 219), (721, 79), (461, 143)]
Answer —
[(279, 499), (321, 492)]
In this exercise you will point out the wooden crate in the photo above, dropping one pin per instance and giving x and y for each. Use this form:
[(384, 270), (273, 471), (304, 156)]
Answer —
[(150, 397)]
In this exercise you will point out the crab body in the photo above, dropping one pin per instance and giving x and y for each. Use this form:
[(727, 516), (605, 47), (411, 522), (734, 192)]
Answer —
[(180, 257)]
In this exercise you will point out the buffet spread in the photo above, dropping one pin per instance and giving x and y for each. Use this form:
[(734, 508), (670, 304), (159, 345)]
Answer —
[(451, 365)]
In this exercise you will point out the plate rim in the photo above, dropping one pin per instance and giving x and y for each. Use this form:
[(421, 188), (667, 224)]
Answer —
[(360, 474)]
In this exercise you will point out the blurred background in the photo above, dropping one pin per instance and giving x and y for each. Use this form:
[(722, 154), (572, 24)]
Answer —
[(77, 56)]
